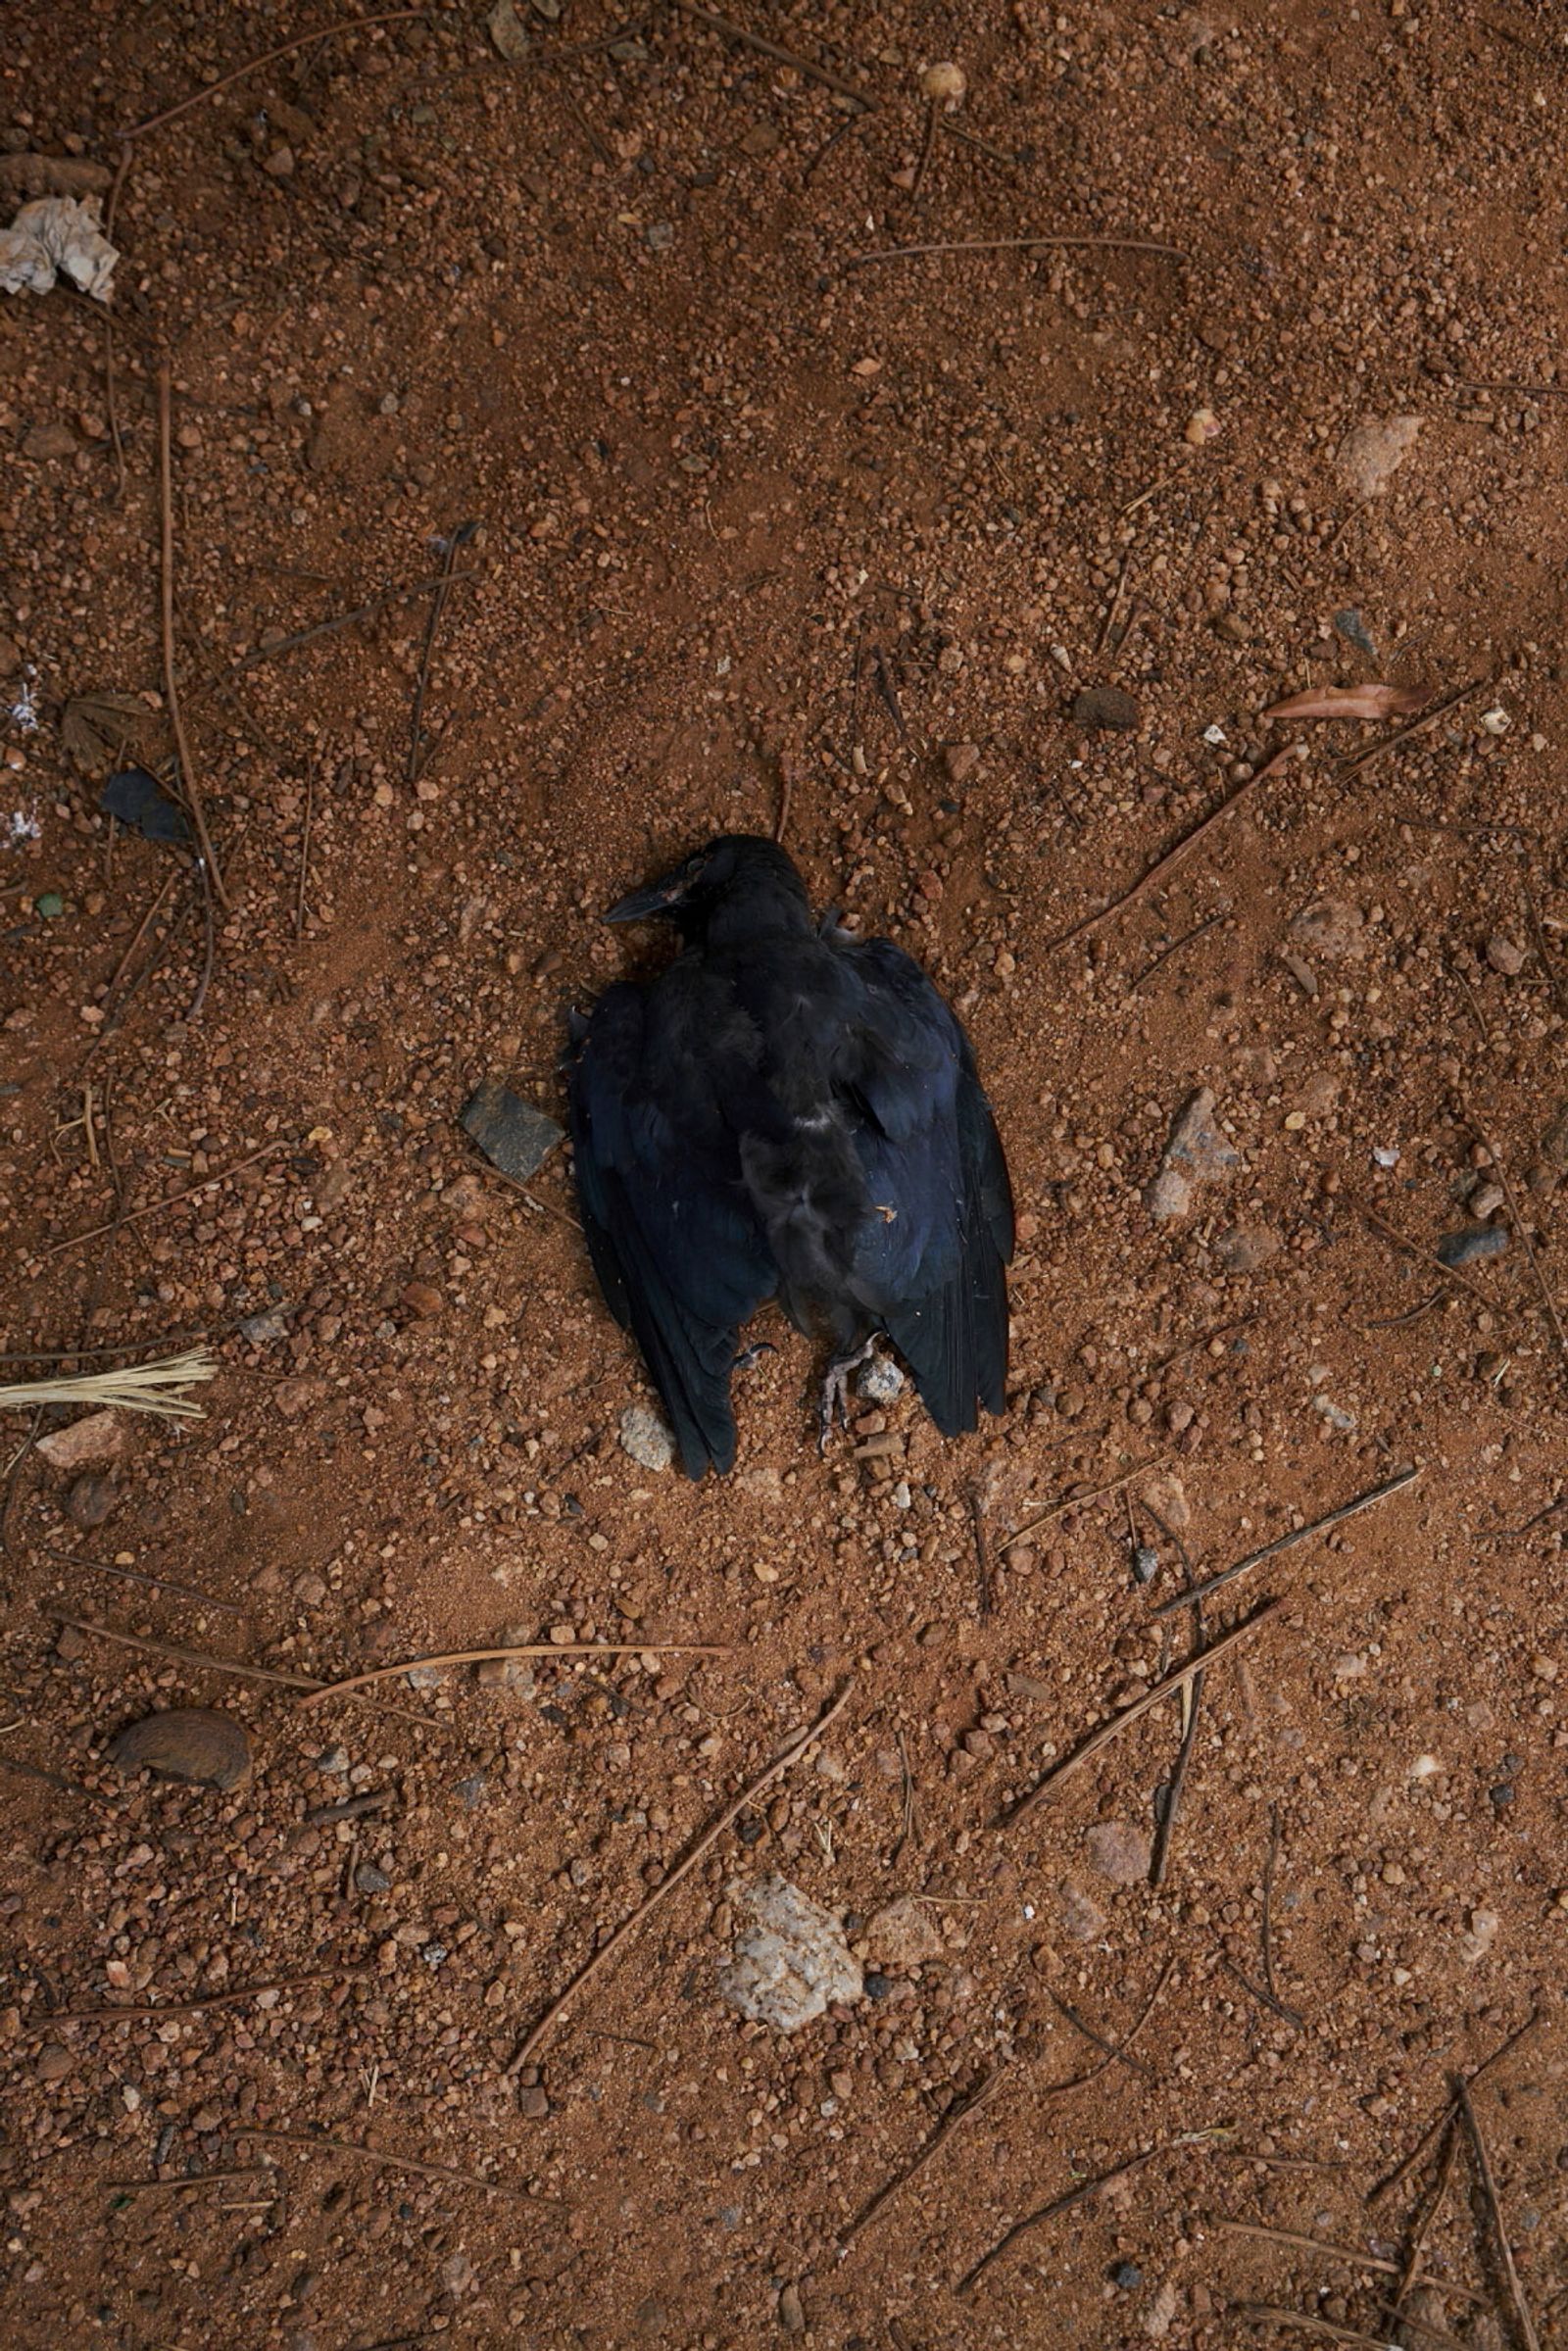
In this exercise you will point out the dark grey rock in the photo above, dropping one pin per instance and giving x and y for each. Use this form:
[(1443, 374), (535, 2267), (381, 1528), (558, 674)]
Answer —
[(1354, 629), (1106, 707), (512, 1134), (1477, 1241)]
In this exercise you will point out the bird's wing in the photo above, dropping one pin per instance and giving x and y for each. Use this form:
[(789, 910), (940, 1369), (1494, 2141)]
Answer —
[(932, 1263), (674, 1241)]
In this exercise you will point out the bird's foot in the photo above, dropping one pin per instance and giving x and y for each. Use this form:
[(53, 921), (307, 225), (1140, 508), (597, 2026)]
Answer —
[(836, 1390), (752, 1355)]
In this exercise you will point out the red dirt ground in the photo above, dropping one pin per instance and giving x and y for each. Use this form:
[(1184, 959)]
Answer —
[(753, 520)]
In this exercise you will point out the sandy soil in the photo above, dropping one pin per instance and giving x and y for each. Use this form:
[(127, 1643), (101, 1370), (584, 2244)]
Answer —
[(762, 530)]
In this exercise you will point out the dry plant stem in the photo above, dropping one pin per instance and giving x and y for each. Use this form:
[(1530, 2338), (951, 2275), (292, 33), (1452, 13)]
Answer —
[(216, 1999), (1121, 2048), (1302, 2322), (926, 145), (1422, 2326), (168, 2188), (304, 848), (387, 2162), (189, 787), (360, 612), (1488, 2189), (254, 64), (688, 1861), (905, 253), (1286, 1542), (1407, 2165), (1548, 1302), (1412, 1248), (173, 1200), (459, 537), (143, 1576), (1346, 2253), (322, 1692), (1172, 856), (1198, 931), (1096, 1494), (1266, 1925), (1114, 2054), (1156, 1696), (950, 2123), (1049, 2212), (784, 57), (1412, 2270), (1176, 1787), (1402, 734)]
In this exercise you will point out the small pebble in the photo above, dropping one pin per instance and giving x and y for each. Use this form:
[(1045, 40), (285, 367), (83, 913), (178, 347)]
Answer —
[(647, 1436), (1477, 1241), (1126, 2275), (880, 1380)]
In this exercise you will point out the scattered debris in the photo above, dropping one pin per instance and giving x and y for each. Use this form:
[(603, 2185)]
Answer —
[(647, 1436), (512, 1134), (1352, 701), (1373, 451), (903, 1933), (187, 1742), (1107, 709), (791, 1961), (57, 237), (1475, 1242), (138, 800), (1196, 1152), (1119, 1851)]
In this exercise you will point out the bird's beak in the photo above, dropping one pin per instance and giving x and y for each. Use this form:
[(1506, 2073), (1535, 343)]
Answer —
[(649, 903)]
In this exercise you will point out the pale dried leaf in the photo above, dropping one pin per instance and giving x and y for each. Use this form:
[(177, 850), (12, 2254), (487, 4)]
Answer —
[(97, 730), (1352, 701)]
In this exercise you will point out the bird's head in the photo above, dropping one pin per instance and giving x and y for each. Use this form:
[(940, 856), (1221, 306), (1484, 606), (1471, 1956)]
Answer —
[(738, 875)]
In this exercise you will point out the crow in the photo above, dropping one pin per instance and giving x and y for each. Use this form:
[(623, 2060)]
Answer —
[(786, 1111)]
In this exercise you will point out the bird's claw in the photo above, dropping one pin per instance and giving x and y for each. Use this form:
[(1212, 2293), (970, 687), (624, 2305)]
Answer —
[(836, 1391)]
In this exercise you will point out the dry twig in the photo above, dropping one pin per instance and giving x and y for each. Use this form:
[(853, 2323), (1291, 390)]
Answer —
[(1163, 865), (1449, 2111), (688, 1861), (190, 789), (1049, 2212), (960, 2112), (216, 1999), (784, 57), (1096, 1494), (1162, 1689), (322, 1690), (269, 56), (1287, 1543), (171, 1200), (385, 2160), (905, 253), (1402, 734), (1488, 2189)]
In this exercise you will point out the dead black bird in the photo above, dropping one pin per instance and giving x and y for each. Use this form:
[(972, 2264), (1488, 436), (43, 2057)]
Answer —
[(786, 1111)]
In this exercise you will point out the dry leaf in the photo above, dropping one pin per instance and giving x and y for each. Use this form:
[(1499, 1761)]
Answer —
[(98, 730), (1352, 701)]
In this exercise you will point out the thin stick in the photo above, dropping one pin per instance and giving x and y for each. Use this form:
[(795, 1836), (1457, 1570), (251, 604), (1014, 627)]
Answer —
[(1423, 2326), (785, 789), (304, 848), (1121, 2048), (1050, 2212), (926, 145), (360, 612), (182, 1656), (783, 57), (1403, 2170), (955, 2115), (1554, 1318), (1410, 2270), (215, 1999), (173, 1200), (1287, 1543), (190, 788), (136, 1574), (1163, 865), (907, 1829), (1129, 1715), (166, 2187), (36, 1771), (1259, 1993), (534, 1649), (1416, 726), (1174, 948), (1113, 2054), (982, 1549), (1537, 931), (687, 1862), (971, 138), (1266, 1926), (1270, 2314), (1488, 2189), (1281, 2163), (1175, 1786), (387, 2161), (905, 253), (460, 538), (1300, 2244), (1412, 1248), (269, 57), (1096, 1494)]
